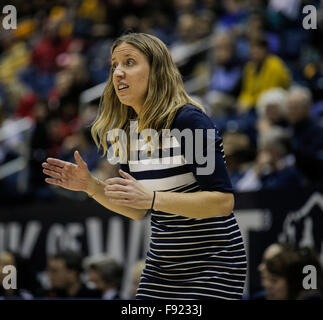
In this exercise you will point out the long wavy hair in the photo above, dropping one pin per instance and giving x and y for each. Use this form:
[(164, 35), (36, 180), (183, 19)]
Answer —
[(165, 94)]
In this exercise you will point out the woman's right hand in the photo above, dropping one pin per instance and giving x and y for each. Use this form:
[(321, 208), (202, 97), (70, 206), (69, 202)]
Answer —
[(68, 175)]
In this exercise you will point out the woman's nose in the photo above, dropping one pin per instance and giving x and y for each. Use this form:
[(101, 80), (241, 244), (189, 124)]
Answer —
[(118, 72)]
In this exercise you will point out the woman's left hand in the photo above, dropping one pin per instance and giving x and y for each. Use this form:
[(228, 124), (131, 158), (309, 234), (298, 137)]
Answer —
[(127, 191)]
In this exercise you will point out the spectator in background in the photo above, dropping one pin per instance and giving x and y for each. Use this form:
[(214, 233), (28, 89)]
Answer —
[(64, 271), (271, 109), (262, 72), (187, 35), (239, 153), (204, 20), (282, 275), (26, 281), (253, 25), (256, 26), (93, 13), (13, 60), (234, 16), (225, 75), (70, 81), (286, 19), (39, 148), (269, 252), (184, 7), (40, 75), (106, 275), (274, 168), (307, 135), (50, 45)]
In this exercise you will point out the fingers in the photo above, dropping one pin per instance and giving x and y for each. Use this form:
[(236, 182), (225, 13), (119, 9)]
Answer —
[(116, 187), (57, 170), (117, 195), (58, 165), (51, 167), (57, 162), (123, 181), (117, 191), (126, 175), (117, 180), (79, 160), (52, 174), (54, 182)]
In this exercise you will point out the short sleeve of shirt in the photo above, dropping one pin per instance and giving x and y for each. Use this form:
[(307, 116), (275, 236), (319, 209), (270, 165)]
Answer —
[(208, 161), (125, 167)]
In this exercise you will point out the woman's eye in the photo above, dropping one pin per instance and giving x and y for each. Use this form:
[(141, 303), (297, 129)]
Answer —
[(130, 62)]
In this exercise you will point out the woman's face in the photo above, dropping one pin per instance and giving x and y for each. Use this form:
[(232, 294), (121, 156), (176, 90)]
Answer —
[(276, 287), (130, 69), (257, 53)]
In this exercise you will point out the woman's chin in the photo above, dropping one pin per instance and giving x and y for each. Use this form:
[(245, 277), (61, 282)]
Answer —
[(124, 101)]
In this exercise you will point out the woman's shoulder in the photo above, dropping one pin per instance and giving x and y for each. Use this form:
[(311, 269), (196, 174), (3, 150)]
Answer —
[(191, 116), (189, 108)]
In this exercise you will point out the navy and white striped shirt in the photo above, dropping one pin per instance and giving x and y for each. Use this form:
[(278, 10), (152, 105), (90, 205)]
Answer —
[(190, 258)]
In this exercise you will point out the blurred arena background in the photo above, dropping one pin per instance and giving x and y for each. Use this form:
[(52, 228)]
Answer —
[(251, 63)]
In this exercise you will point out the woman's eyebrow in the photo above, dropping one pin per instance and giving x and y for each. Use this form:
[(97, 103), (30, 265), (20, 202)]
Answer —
[(126, 55)]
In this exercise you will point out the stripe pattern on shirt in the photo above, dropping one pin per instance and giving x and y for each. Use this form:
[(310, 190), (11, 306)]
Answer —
[(188, 258)]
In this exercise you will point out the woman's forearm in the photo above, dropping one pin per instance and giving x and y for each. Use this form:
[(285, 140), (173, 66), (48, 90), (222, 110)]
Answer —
[(95, 189), (203, 204)]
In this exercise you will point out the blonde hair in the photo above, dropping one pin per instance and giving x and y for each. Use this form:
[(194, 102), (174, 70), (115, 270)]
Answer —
[(165, 95)]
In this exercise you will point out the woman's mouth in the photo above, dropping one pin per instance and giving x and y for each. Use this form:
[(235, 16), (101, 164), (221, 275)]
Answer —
[(122, 87)]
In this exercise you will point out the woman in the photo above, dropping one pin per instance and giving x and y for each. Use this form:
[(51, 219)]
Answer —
[(196, 249), (287, 273)]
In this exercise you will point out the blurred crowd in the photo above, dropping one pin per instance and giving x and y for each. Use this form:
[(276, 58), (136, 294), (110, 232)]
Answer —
[(286, 272), (68, 275), (290, 273), (251, 63)]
